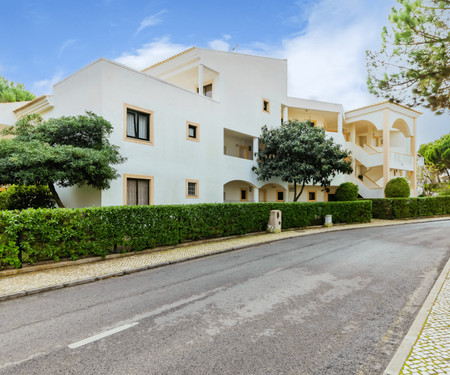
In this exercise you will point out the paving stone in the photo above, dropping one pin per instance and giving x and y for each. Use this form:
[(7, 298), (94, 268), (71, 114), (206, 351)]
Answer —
[(432, 349)]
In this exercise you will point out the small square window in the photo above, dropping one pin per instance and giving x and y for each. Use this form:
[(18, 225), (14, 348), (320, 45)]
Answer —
[(280, 196), (266, 106), (191, 189), (312, 197), (244, 195), (192, 131)]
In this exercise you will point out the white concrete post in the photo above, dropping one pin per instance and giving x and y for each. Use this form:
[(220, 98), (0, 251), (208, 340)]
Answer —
[(200, 79), (255, 195), (340, 128), (285, 114), (255, 148)]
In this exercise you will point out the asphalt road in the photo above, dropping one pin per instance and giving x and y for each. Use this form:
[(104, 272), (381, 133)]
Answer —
[(332, 303)]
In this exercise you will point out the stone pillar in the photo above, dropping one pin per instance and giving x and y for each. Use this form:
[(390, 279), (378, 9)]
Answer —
[(200, 79), (285, 114), (274, 225), (386, 147)]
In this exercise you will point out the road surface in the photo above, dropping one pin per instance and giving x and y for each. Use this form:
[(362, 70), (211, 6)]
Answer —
[(332, 303)]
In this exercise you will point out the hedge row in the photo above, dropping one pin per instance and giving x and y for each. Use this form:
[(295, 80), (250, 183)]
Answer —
[(43, 234), (401, 208)]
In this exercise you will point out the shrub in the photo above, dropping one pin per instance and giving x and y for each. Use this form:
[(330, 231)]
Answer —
[(19, 197), (445, 192), (44, 234), (401, 208), (397, 188), (347, 191)]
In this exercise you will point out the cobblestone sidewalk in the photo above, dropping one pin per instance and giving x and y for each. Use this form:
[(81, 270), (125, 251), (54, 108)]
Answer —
[(431, 352)]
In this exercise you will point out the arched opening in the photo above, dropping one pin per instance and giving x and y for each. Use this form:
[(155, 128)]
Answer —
[(239, 191), (365, 134), (272, 192), (400, 137)]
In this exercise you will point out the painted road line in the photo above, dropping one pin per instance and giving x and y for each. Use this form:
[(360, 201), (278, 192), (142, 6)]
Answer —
[(101, 335)]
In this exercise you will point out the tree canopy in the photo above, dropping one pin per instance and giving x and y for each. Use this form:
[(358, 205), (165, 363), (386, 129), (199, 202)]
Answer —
[(300, 153), (413, 66), (65, 151), (11, 92), (437, 155)]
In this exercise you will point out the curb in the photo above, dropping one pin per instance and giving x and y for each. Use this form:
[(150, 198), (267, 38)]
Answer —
[(406, 346), (158, 265)]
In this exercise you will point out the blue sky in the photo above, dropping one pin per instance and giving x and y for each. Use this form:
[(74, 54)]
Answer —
[(324, 40)]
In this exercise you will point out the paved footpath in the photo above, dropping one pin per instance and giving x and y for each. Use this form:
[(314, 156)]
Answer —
[(425, 349)]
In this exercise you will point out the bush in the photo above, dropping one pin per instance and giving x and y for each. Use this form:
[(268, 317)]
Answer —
[(20, 197), (347, 191), (445, 192), (44, 234), (397, 188), (402, 208)]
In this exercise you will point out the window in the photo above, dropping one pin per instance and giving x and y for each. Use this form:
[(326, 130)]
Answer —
[(192, 131), (138, 125), (312, 196), (207, 90), (280, 196), (331, 197), (266, 105), (312, 123), (138, 190), (243, 152), (244, 195), (191, 188)]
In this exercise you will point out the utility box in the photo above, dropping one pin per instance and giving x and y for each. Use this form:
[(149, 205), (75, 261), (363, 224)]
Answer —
[(328, 221), (274, 225)]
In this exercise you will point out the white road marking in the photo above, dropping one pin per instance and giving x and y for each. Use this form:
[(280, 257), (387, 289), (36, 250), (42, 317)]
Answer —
[(101, 335)]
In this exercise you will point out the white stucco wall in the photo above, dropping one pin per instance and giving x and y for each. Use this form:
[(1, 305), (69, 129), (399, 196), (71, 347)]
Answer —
[(241, 83)]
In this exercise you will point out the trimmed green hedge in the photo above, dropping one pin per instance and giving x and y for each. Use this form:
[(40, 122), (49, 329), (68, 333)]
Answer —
[(44, 234), (401, 208), (19, 197)]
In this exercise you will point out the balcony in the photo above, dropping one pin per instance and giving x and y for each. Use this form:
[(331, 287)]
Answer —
[(401, 161), (238, 145)]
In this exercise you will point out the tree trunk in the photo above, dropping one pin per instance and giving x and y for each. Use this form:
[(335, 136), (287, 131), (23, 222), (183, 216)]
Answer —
[(55, 195), (295, 191)]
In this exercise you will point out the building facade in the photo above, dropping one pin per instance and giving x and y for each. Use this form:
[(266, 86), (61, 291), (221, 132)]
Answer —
[(189, 128)]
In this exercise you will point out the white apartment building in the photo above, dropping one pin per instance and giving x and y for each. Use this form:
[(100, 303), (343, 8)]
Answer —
[(189, 127)]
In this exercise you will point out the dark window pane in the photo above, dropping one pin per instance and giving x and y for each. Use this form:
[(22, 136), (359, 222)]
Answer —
[(207, 90), (243, 195), (192, 131), (280, 196), (192, 188)]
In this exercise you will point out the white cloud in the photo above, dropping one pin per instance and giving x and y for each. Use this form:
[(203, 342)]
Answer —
[(219, 45), (45, 86), (68, 43), (327, 61), (151, 53), (150, 21)]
